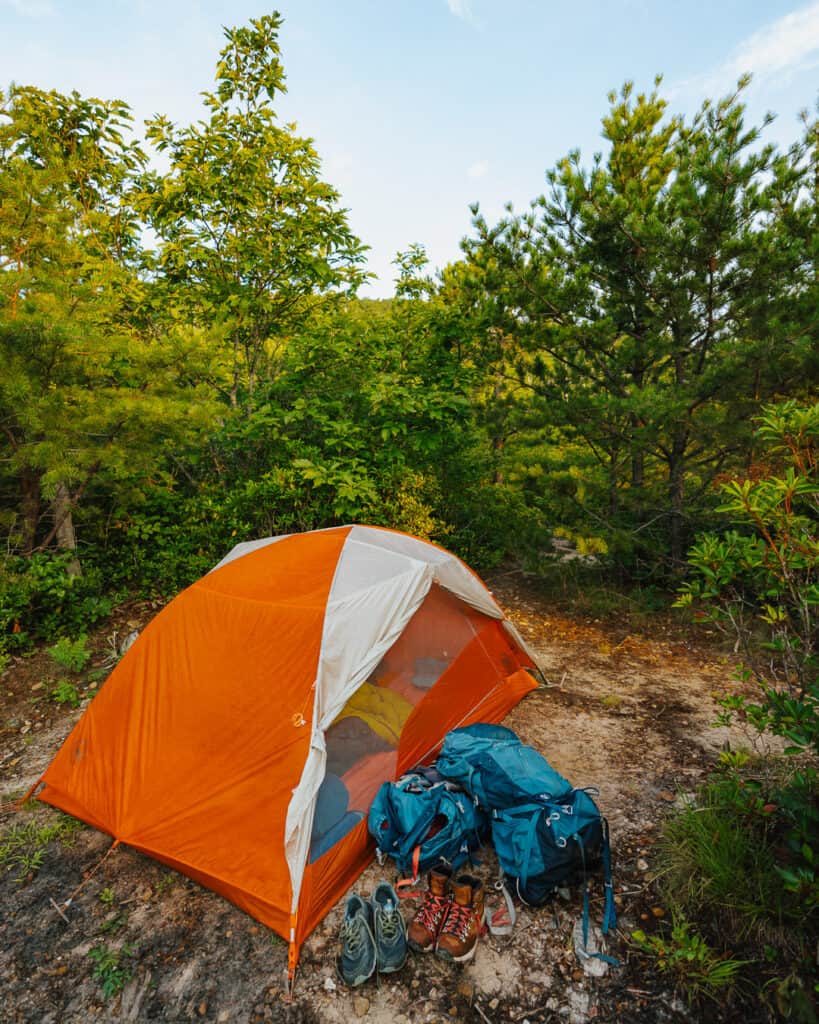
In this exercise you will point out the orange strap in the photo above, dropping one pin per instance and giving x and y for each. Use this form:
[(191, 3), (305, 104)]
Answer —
[(403, 885)]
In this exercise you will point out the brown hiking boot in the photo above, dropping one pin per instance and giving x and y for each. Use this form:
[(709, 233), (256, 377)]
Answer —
[(424, 927), (458, 937)]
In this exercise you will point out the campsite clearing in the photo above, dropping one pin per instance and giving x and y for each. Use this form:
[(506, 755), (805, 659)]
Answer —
[(628, 713)]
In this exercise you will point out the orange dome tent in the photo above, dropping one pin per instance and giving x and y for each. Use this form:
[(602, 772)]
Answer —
[(243, 736)]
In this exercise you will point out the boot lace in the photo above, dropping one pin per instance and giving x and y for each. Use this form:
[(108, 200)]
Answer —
[(458, 920), (432, 910)]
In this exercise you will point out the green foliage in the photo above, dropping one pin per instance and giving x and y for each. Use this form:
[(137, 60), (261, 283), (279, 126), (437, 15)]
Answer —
[(71, 654), (695, 968), (760, 581), (241, 178), (40, 598), (22, 847), (65, 692), (636, 313), (740, 861), (112, 968), (107, 896)]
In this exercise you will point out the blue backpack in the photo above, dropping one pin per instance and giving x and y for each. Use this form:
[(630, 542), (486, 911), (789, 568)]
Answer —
[(422, 820), (491, 763), (545, 832)]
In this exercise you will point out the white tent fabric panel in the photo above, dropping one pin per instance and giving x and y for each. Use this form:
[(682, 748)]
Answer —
[(358, 631), (449, 571), (246, 547)]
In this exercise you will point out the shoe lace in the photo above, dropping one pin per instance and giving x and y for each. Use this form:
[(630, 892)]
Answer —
[(458, 920), (390, 924), (431, 911), (352, 939)]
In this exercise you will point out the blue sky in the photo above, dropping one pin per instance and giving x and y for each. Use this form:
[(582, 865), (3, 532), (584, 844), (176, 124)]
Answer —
[(419, 107)]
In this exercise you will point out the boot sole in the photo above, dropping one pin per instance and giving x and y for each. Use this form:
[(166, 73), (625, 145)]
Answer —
[(442, 953)]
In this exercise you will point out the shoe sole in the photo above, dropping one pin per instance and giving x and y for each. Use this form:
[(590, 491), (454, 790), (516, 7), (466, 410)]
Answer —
[(358, 980)]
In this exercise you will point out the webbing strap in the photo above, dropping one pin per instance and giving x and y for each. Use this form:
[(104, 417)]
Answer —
[(597, 956), (610, 911), (403, 887)]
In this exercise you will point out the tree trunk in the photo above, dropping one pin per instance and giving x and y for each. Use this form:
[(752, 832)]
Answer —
[(30, 488), (64, 526), (676, 476)]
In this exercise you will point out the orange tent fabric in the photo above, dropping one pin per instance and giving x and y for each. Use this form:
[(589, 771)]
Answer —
[(208, 746)]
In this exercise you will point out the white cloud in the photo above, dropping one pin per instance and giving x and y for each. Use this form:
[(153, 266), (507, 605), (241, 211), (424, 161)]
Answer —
[(791, 43), (478, 169), (782, 48), (30, 8), (460, 8)]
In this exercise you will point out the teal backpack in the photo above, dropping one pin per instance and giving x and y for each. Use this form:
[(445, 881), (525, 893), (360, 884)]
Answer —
[(546, 833), (423, 820)]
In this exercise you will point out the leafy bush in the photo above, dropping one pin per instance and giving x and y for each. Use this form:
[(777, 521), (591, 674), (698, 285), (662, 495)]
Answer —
[(71, 654), (39, 598), (694, 966), (66, 693), (760, 582), (731, 860)]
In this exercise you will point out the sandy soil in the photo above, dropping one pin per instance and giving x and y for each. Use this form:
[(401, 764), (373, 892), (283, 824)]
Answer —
[(629, 714)]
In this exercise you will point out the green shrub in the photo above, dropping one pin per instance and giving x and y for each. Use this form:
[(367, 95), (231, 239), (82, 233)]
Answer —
[(66, 692), (112, 968), (39, 598), (718, 858), (71, 654), (695, 968)]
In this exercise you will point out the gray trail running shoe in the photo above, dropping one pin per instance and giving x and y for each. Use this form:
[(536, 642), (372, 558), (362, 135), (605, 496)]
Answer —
[(356, 960), (390, 929)]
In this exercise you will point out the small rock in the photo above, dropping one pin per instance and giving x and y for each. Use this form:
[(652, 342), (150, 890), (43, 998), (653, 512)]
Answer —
[(329, 985), (642, 865), (433, 992), (453, 1011), (223, 1016), (564, 893), (38, 686), (229, 934), (494, 1004), (416, 983), (361, 1006), (25, 728)]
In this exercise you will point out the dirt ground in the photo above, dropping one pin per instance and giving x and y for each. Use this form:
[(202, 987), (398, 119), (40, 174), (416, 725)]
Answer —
[(629, 714)]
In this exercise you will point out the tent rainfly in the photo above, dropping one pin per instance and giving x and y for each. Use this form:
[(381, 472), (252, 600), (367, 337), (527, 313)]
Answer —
[(242, 738)]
